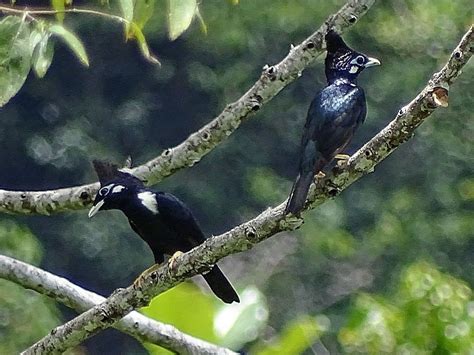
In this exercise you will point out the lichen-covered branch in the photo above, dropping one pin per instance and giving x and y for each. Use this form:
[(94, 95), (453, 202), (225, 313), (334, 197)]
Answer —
[(268, 223), (73, 296), (198, 144)]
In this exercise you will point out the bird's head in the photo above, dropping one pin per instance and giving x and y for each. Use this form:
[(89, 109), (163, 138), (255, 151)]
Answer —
[(342, 61), (116, 187)]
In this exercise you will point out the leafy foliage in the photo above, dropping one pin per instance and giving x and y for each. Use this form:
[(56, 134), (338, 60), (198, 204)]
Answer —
[(15, 54), (24, 45), (431, 313)]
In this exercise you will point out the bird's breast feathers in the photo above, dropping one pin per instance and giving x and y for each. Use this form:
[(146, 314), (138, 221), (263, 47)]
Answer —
[(337, 97), (148, 200)]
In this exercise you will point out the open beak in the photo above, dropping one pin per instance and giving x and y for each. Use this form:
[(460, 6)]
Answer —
[(372, 62), (95, 208)]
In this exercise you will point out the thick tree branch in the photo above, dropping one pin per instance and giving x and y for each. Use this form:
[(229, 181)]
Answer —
[(198, 144), (135, 324), (268, 223)]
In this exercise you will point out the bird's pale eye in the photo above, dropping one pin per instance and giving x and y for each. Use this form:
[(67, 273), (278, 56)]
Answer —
[(103, 191), (360, 60)]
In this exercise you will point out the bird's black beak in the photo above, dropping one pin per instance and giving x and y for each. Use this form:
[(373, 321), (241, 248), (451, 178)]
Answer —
[(94, 209), (372, 62)]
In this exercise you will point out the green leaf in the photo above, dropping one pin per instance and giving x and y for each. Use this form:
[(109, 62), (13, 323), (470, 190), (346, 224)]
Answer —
[(142, 12), (72, 41), (137, 33), (15, 56), (43, 56), (298, 336), (126, 7), (239, 323), (187, 308), (59, 5), (180, 16)]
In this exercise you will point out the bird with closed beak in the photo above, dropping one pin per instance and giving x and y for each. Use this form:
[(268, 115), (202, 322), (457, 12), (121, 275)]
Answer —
[(333, 116), (165, 223)]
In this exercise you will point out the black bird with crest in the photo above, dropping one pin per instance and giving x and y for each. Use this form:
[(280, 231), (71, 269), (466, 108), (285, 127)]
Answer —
[(334, 115), (165, 223)]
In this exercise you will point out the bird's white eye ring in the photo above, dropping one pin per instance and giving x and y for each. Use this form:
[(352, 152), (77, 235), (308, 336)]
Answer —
[(360, 60), (103, 191)]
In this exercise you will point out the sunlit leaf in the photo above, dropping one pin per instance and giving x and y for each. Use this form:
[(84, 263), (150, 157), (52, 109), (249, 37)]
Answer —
[(187, 308), (239, 323), (72, 41), (180, 16), (298, 336), (142, 12), (42, 56), (126, 7), (15, 56), (59, 5), (137, 33)]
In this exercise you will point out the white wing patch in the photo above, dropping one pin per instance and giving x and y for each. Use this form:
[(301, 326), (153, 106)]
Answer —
[(117, 188), (149, 201)]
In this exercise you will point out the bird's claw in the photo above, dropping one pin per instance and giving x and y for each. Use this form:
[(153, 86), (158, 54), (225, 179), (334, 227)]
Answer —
[(140, 280), (172, 260)]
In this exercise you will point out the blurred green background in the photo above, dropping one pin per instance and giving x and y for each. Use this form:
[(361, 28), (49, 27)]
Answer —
[(386, 267)]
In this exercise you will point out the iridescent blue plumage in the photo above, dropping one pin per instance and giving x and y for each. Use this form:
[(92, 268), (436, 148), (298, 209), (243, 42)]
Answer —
[(334, 115)]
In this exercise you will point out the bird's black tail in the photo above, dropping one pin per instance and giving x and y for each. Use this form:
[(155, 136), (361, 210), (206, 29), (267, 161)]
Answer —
[(298, 193), (300, 189), (221, 286)]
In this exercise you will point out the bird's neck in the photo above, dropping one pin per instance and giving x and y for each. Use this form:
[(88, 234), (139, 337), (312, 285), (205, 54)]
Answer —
[(338, 79)]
